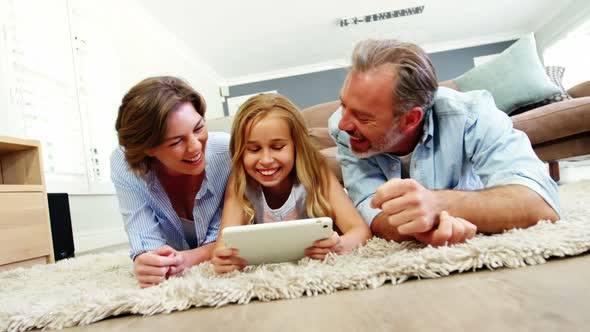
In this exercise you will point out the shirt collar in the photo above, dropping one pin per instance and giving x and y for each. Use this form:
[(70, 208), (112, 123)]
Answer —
[(428, 128), (206, 185)]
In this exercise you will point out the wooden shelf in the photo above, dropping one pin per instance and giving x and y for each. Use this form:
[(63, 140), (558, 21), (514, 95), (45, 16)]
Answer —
[(25, 238), (10, 144), (20, 162), (10, 188)]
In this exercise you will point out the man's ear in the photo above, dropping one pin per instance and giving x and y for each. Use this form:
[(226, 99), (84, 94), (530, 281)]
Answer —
[(411, 119)]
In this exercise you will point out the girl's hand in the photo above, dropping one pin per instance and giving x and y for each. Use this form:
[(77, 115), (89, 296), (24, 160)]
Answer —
[(322, 247), (226, 260)]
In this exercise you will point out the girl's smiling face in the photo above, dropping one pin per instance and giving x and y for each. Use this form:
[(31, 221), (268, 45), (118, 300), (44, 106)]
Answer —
[(269, 155)]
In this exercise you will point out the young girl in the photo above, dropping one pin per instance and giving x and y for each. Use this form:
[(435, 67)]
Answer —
[(277, 174)]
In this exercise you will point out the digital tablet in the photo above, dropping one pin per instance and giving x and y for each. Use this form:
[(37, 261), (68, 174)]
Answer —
[(276, 242)]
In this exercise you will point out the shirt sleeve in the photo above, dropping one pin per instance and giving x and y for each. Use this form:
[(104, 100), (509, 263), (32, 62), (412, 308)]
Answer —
[(140, 221), (502, 155), (361, 177), (213, 230)]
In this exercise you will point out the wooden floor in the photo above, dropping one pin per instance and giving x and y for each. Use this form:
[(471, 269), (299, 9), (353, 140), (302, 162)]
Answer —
[(550, 297)]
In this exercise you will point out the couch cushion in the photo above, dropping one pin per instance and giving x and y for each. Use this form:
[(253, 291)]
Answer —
[(555, 74), (330, 155), (321, 137), (318, 115), (515, 77), (555, 121), (580, 90)]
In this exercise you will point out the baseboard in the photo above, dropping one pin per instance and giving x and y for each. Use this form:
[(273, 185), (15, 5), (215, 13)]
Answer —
[(86, 241), (574, 169)]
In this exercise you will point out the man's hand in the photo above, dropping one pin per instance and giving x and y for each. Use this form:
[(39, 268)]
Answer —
[(450, 230), (226, 260), (322, 247), (409, 206), (153, 267)]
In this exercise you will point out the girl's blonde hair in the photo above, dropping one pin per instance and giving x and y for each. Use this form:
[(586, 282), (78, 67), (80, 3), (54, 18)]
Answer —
[(310, 167)]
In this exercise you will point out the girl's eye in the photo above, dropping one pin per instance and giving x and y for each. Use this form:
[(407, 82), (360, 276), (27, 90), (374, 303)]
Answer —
[(278, 147), (253, 149), (198, 129)]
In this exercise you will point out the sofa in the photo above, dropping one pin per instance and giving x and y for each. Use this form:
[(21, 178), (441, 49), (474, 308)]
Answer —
[(556, 131)]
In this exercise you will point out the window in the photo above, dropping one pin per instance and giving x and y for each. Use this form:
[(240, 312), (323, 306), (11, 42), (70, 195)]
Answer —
[(572, 52)]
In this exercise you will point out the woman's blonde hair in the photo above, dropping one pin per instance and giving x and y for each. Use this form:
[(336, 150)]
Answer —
[(310, 167), (141, 122)]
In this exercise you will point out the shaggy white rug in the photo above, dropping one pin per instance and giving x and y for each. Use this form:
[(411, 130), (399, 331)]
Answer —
[(90, 288)]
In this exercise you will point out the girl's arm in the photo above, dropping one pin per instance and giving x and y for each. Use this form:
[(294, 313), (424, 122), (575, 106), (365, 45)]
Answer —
[(225, 259), (354, 230)]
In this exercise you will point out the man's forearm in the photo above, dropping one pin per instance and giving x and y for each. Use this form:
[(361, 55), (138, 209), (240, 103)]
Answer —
[(497, 209), (381, 228)]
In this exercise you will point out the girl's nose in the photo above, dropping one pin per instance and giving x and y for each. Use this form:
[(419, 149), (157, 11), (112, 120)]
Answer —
[(266, 157)]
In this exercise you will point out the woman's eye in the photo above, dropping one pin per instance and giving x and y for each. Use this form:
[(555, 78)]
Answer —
[(175, 143)]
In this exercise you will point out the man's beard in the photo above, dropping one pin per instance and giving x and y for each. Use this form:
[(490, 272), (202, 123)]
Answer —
[(383, 144)]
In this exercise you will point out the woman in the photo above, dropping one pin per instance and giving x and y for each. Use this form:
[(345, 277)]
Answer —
[(170, 176)]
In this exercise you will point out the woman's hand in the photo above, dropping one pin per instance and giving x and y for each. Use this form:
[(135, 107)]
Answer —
[(153, 267), (322, 247), (226, 260)]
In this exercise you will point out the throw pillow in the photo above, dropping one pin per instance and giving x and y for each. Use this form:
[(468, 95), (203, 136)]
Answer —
[(321, 137), (514, 78), (555, 74)]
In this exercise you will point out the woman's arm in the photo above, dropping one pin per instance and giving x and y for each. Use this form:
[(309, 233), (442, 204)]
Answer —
[(354, 230), (138, 216)]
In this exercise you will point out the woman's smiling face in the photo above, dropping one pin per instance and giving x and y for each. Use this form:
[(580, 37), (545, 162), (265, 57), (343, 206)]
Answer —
[(182, 151)]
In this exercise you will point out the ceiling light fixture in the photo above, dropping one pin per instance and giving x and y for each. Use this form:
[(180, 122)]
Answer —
[(344, 22)]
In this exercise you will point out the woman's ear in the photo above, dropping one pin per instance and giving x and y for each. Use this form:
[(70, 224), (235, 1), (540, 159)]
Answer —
[(150, 152), (411, 119)]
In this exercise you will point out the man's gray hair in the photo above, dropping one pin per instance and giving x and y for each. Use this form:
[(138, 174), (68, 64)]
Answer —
[(415, 77)]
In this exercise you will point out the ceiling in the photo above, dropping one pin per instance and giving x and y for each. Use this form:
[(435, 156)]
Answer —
[(241, 39)]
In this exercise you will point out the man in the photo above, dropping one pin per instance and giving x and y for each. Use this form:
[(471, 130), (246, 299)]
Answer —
[(410, 152)]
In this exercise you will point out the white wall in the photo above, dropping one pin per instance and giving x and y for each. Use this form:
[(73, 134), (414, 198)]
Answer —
[(566, 20), (96, 222), (107, 46), (139, 47)]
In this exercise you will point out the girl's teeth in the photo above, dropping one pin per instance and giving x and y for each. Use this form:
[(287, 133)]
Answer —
[(268, 172)]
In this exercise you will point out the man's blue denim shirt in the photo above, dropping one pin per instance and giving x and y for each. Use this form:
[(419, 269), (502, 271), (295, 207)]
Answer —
[(467, 144)]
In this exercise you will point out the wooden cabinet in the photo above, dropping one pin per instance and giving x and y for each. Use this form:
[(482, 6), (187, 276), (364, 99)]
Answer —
[(25, 232)]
